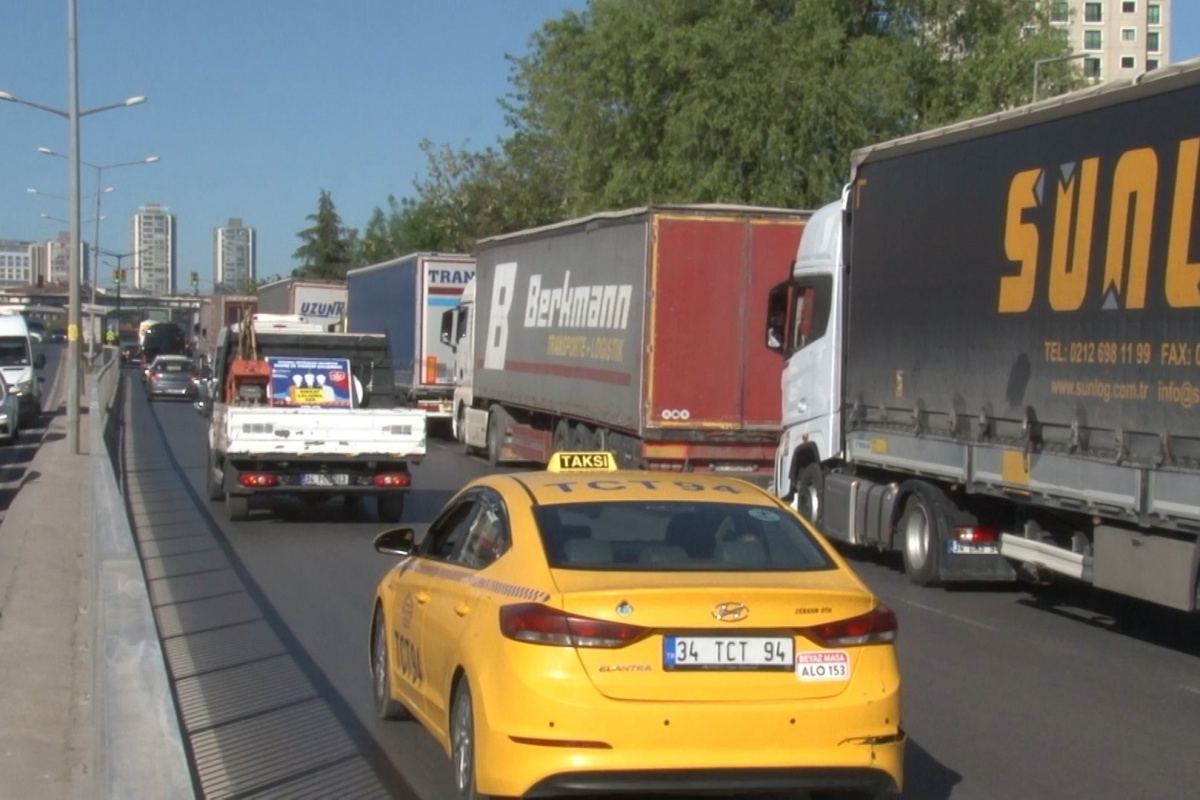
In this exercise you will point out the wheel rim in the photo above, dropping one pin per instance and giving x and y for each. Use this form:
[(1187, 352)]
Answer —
[(463, 745), (916, 537), (379, 661)]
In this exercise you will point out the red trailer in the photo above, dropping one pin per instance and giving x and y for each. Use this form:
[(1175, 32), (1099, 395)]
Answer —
[(636, 331)]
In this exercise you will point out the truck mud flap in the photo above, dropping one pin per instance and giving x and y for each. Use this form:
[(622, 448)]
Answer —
[(967, 567)]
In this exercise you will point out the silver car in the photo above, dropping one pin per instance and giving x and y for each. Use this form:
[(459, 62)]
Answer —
[(172, 376)]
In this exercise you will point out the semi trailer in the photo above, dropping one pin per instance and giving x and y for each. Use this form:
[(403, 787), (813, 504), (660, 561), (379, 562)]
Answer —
[(992, 346), (632, 331)]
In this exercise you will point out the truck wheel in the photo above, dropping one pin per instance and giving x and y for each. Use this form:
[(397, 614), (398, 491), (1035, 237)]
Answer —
[(582, 438), (495, 437), (921, 526), (460, 430), (216, 491), (390, 506), (807, 493), (238, 507)]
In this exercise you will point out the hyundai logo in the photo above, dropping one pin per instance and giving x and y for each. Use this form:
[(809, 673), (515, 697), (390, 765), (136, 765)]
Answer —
[(730, 612)]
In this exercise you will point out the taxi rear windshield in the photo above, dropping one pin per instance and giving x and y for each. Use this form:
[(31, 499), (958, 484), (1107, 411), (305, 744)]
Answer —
[(676, 537)]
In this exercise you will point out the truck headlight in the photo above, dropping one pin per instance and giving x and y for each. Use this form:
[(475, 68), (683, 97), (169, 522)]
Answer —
[(24, 386)]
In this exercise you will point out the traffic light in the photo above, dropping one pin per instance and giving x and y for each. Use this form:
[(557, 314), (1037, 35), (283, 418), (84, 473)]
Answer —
[(195, 279), (118, 276)]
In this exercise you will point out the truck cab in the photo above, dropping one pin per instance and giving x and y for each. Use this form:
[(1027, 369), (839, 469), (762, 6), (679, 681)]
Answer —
[(804, 325), (458, 332)]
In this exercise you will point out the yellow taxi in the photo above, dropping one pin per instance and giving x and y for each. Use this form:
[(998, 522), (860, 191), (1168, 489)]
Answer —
[(588, 630)]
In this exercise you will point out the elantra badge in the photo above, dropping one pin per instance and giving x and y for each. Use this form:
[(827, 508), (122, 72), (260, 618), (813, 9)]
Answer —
[(730, 612)]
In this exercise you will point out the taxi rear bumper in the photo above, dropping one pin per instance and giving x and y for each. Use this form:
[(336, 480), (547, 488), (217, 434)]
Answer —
[(559, 735), (638, 782)]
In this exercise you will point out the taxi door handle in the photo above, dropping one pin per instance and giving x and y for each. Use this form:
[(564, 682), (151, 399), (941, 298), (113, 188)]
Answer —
[(422, 597), (462, 609)]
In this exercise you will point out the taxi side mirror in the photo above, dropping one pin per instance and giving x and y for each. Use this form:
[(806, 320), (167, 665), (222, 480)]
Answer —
[(396, 542)]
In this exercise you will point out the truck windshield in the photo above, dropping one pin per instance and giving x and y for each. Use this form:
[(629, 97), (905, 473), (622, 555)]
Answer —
[(14, 351)]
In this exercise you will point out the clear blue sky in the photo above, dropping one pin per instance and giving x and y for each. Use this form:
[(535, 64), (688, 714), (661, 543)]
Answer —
[(255, 106)]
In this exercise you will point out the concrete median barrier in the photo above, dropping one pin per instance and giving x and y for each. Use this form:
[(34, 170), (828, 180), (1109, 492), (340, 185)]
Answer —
[(138, 748)]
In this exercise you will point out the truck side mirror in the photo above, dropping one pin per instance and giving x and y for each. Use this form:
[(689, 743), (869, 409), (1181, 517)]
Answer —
[(39, 361), (447, 329)]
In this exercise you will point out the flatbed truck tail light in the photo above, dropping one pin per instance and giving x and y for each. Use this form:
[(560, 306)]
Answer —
[(393, 479), (539, 624), (877, 626), (976, 533), (253, 479)]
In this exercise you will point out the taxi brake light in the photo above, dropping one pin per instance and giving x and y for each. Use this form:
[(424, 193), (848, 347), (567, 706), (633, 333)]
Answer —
[(877, 626), (539, 624)]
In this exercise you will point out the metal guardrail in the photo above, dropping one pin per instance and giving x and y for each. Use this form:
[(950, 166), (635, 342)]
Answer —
[(138, 748)]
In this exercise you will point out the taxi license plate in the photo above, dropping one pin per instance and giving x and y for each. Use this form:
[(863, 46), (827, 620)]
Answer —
[(323, 479), (728, 653)]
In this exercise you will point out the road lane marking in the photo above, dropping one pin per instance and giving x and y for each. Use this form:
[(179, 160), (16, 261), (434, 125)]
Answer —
[(940, 612), (1191, 689)]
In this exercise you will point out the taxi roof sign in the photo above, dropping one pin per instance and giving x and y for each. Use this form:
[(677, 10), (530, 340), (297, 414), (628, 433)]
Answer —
[(582, 462)]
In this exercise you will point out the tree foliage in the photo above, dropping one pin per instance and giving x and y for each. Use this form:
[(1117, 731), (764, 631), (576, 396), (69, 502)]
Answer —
[(327, 244), (631, 102)]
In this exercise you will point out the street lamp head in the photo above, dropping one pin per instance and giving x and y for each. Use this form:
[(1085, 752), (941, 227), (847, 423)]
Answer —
[(31, 190), (47, 151), (135, 101), (152, 160), (8, 97)]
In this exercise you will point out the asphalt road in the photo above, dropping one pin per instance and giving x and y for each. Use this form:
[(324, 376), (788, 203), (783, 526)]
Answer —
[(1008, 694), (15, 458)]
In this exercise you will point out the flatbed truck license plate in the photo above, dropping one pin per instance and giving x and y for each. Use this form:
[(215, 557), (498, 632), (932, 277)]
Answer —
[(728, 653), (324, 479)]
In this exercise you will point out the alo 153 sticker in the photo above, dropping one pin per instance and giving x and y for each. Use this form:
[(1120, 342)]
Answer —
[(825, 665)]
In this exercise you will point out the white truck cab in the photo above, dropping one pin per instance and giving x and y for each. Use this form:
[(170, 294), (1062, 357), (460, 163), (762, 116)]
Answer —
[(458, 331)]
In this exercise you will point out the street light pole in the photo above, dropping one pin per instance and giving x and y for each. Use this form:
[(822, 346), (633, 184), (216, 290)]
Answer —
[(73, 115), (74, 378), (96, 238), (1037, 68)]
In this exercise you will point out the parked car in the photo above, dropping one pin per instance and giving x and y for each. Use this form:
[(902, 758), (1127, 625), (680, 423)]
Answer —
[(172, 376)]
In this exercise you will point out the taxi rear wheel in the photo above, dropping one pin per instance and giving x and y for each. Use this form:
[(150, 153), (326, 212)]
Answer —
[(462, 744), (386, 707)]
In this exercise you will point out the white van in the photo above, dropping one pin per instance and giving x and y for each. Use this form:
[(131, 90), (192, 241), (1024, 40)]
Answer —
[(18, 364)]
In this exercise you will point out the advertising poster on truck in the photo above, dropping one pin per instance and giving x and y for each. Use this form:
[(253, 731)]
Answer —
[(310, 382)]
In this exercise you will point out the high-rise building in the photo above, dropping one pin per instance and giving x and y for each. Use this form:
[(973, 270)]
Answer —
[(234, 259), (1121, 38), (152, 243)]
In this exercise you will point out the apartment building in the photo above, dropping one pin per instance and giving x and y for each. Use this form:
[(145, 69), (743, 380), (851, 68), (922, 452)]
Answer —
[(234, 254), (152, 236), (1120, 38)]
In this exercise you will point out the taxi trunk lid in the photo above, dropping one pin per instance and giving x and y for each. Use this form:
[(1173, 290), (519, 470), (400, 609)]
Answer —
[(687, 654)]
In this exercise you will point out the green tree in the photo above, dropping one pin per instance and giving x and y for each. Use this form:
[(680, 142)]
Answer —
[(758, 101), (328, 244)]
